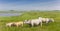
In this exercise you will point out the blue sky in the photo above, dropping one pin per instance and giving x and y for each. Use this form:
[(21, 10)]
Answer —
[(29, 4)]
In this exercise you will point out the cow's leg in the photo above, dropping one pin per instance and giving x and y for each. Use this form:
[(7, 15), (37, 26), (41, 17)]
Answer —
[(9, 25), (41, 24), (46, 22), (32, 24), (17, 25), (22, 24)]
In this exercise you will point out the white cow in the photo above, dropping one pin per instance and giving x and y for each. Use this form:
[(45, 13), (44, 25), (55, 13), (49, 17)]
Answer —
[(9, 24), (34, 21), (20, 23), (47, 20), (51, 20)]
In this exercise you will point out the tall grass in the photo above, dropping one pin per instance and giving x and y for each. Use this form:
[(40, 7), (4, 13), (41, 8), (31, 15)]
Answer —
[(32, 15)]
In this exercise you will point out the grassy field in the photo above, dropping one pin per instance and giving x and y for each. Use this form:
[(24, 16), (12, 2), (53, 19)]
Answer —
[(32, 15)]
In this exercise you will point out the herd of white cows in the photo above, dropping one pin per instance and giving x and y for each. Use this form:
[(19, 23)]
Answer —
[(32, 22)]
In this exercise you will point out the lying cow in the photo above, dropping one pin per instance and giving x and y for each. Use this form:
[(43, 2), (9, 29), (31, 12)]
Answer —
[(9, 24)]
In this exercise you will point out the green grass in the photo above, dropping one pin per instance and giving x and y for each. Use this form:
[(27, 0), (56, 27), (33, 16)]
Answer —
[(32, 15)]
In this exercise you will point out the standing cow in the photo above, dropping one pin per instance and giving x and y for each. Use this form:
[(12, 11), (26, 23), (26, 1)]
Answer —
[(34, 21)]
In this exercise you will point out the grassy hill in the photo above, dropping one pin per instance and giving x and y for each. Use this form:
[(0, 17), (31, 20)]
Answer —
[(32, 15)]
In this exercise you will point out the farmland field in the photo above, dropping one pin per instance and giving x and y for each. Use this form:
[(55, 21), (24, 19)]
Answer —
[(32, 15)]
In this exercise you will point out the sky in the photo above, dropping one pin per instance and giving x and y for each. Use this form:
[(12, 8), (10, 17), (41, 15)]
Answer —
[(29, 4)]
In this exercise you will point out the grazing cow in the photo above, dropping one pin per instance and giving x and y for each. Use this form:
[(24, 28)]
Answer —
[(51, 20), (47, 20), (9, 24), (34, 22), (20, 23)]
